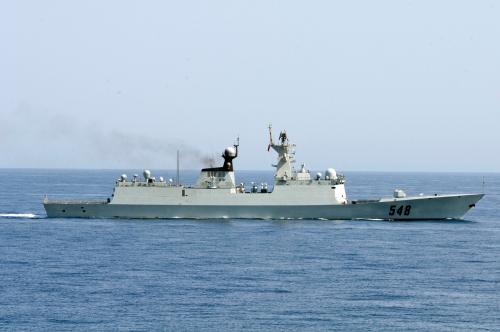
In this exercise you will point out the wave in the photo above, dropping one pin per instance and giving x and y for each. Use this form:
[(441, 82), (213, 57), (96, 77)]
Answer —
[(18, 215)]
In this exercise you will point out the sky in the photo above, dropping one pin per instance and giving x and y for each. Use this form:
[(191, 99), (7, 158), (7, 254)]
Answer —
[(357, 85)]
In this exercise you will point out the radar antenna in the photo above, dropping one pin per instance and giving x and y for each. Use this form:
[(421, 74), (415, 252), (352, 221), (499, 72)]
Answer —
[(283, 137), (270, 137), (236, 145)]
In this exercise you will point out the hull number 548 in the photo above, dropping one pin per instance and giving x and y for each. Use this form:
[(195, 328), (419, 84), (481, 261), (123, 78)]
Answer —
[(401, 210)]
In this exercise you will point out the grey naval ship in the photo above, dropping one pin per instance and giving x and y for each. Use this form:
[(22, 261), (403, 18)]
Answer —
[(295, 195)]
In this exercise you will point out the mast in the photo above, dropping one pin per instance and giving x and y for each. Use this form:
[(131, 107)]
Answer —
[(284, 171), (270, 135), (177, 179)]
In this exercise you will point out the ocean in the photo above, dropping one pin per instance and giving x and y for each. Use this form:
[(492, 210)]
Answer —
[(227, 275)]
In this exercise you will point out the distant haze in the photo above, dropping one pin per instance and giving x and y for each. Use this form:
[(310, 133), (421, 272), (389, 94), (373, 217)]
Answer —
[(358, 85)]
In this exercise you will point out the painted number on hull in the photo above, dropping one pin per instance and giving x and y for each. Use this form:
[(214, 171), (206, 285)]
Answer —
[(402, 210)]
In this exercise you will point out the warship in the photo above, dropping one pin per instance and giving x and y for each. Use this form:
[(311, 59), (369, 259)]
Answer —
[(296, 194)]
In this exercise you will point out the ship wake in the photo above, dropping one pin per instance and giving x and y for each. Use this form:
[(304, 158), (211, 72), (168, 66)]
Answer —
[(19, 216)]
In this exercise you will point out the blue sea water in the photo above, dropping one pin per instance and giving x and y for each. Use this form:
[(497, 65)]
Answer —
[(226, 275)]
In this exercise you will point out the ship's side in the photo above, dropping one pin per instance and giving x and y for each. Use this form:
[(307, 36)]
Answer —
[(177, 202)]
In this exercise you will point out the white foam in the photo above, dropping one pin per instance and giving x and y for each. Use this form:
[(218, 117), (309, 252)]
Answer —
[(17, 215)]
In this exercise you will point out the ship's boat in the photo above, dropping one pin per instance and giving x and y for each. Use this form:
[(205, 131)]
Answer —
[(295, 195)]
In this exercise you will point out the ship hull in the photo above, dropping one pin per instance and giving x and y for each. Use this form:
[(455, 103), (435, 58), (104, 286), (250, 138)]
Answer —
[(411, 208)]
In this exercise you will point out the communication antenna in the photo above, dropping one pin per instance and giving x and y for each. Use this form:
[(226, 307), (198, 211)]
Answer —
[(483, 184), (270, 138), (237, 144), (177, 179)]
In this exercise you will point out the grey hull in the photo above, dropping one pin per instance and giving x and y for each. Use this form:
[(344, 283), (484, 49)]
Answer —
[(412, 208)]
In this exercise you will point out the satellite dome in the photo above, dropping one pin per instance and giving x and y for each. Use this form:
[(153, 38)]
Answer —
[(230, 152), (331, 174), (146, 173)]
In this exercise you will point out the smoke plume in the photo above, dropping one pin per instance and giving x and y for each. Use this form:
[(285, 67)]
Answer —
[(44, 128)]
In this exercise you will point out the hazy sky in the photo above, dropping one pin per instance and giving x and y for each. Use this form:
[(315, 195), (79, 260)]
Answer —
[(358, 85)]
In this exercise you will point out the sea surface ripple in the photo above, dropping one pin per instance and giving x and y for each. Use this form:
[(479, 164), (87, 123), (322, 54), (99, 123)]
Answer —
[(226, 275)]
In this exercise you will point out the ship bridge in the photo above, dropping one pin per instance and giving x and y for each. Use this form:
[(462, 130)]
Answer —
[(220, 177)]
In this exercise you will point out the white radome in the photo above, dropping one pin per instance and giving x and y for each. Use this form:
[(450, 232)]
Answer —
[(331, 174), (146, 173), (230, 151)]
